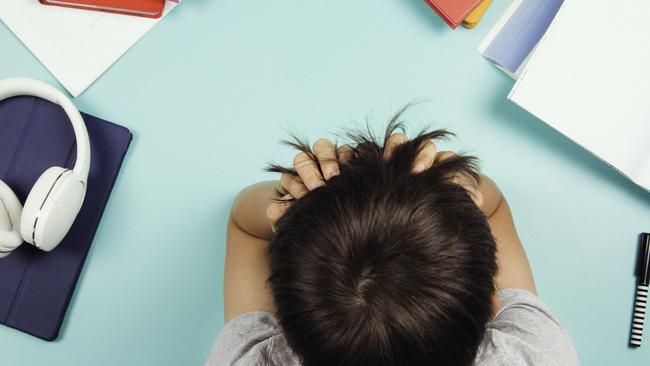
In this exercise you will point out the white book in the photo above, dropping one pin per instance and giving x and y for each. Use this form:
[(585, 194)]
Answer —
[(589, 78), (76, 46)]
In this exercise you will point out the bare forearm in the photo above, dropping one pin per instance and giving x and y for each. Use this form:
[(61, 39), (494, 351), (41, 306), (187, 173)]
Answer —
[(247, 263), (514, 269), (246, 274)]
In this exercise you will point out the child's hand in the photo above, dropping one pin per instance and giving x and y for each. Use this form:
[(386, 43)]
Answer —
[(309, 176), (330, 157)]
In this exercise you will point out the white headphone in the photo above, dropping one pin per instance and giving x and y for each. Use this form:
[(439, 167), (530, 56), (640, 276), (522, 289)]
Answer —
[(56, 198)]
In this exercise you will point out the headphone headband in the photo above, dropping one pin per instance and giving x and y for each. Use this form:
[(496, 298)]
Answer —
[(13, 87)]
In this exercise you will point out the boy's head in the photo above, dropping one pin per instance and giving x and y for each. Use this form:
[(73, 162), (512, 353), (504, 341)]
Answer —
[(381, 266)]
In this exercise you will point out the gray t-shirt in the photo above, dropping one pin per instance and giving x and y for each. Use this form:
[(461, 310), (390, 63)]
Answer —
[(524, 332)]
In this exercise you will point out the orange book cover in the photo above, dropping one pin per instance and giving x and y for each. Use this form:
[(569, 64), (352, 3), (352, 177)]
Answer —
[(143, 8), (453, 12)]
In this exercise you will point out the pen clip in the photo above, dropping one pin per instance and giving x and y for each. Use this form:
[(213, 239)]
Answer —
[(643, 260)]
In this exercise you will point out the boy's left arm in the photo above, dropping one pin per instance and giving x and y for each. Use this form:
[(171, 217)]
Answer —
[(247, 266), (250, 228)]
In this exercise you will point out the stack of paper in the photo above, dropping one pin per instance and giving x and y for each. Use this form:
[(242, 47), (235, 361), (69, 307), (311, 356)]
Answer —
[(591, 81), (512, 40), (588, 77), (76, 46)]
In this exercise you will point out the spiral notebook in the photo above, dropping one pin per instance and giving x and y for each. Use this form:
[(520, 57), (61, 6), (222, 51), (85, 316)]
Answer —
[(36, 287)]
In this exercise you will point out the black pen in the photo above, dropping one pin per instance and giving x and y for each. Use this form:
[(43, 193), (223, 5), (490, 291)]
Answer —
[(641, 298)]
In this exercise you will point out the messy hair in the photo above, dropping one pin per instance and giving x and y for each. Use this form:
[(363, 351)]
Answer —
[(381, 266)]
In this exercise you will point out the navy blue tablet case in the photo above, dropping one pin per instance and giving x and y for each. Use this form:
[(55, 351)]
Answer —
[(36, 287)]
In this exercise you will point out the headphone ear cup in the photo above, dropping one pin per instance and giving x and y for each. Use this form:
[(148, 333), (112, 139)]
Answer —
[(51, 207), (10, 211), (35, 200)]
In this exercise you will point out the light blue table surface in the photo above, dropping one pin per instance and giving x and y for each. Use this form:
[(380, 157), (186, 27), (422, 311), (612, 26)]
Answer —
[(210, 91)]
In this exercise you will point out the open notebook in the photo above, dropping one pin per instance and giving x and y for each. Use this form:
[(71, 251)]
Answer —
[(36, 287), (589, 78)]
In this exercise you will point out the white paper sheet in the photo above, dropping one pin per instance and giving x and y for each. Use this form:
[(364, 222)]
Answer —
[(76, 46), (589, 79)]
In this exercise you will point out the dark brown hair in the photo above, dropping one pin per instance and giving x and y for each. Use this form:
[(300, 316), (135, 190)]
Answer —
[(381, 266)]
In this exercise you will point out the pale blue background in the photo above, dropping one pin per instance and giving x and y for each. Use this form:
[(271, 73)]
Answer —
[(207, 94)]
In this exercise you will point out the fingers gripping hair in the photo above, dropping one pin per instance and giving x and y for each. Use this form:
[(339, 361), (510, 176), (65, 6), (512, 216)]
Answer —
[(392, 150)]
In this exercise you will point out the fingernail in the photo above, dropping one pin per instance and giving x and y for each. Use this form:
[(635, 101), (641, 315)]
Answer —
[(333, 171), (418, 168), (314, 184)]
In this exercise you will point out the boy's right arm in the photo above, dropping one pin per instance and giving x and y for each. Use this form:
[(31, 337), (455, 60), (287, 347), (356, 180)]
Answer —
[(514, 269)]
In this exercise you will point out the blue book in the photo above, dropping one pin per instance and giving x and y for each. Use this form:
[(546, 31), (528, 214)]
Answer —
[(36, 287), (509, 44)]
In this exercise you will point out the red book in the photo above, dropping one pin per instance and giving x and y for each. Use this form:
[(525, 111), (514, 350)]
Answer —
[(453, 12), (143, 8)]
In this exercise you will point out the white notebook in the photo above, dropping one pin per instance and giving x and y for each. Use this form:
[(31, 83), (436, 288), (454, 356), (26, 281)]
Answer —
[(589, 78), (76, 46)]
